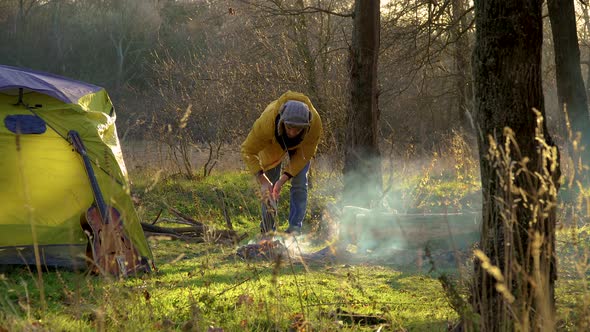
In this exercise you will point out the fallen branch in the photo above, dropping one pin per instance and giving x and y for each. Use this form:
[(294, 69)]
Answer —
[(359, 319), (185, 217), (157, 217), (174, 237), (159, 230), (195, 232), (182, 222)]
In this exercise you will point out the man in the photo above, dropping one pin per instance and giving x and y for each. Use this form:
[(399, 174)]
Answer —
[(289, 126)]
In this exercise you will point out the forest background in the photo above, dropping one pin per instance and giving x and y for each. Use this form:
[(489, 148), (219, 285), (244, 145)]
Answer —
[(227, 59)]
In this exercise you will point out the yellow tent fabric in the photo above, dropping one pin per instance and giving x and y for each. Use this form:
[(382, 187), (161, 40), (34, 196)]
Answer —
[(44, 188)]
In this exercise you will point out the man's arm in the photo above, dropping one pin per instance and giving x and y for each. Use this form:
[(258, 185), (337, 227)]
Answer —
[(260, 136)]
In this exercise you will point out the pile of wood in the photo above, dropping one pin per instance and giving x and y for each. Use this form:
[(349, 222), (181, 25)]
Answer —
[(191, 230), (264, 249), (272, 249)]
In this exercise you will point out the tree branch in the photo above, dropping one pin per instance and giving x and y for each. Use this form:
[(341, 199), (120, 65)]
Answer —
[(294, 12)]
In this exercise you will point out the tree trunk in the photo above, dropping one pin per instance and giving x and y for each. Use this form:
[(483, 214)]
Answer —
[(362, 164), (571, 92), (301, 31), (460, 120), (585, 36), (59, 65), (121, 52), (519, 170), (19, 30)]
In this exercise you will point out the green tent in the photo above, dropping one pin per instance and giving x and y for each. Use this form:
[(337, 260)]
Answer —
[(44, 188)]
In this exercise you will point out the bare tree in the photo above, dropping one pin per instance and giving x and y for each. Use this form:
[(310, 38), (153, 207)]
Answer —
[(362, 162), (515, 273), (571, 91), (584, 42), (461, 51), (130, 26), (423, 68)]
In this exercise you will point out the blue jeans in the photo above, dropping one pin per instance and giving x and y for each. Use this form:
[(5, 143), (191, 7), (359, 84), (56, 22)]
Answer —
[(297, 201)]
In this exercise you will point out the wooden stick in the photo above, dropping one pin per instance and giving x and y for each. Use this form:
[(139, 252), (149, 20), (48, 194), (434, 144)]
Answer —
[(221, 196)]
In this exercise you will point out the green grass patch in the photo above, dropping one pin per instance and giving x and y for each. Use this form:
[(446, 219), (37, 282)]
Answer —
[(205, 285)]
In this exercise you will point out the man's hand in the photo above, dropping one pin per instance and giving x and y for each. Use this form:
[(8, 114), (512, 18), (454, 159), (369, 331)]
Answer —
[(265, 186), (276, 190)]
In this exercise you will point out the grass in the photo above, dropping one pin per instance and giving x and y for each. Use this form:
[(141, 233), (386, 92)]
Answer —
[(200, 199), (206, 285), (573, 284), (199, 287)]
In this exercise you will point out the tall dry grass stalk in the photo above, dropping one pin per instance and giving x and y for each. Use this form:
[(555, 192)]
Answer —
[(515, 270)]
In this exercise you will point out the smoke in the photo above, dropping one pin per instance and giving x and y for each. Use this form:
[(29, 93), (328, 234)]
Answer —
[(407, 240), (419, 209)]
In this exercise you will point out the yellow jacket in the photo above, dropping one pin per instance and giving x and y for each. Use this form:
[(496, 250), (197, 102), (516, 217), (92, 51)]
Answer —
[(262, 151)]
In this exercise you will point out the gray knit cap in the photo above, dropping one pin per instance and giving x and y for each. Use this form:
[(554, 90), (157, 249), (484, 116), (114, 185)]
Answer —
[(295, 113)]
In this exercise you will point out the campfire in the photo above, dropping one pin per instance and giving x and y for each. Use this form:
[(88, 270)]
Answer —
[(263, 249)]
